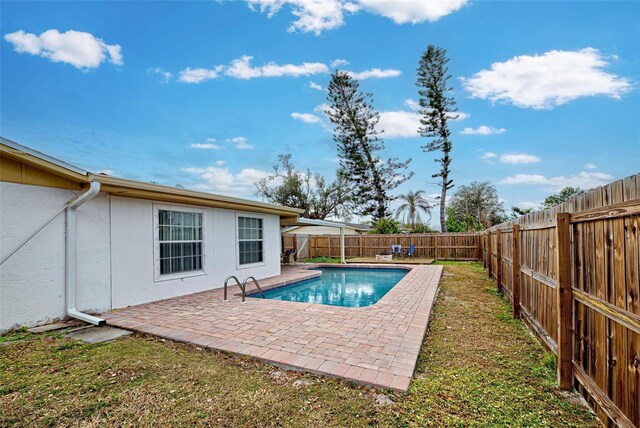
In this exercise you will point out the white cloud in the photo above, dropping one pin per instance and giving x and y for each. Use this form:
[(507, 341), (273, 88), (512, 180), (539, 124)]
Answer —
[(337, 63), (316, 16), (241, 143), (516, 158), (220, 162), (315, 86), (241, 69), (525, 205), (198, 75), (483, 130), (488, 156), (322, 108), (548, 80), (405, 124), (205, 146), (165, 76), (412, 11), (412, 104), (313, 16), (80, 49), (306, 117), (223, 180), (374, 73), (395, 124), (399, 124), (585, 180), (590, 166)]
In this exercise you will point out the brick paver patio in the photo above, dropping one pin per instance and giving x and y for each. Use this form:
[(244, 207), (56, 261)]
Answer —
[(376, 345)]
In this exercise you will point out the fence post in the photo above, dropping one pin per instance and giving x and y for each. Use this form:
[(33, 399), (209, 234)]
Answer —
[(360, 244), (489, 253), (435, 246), (329, 241), (515, 269), (482, 250), (565, 302), (499, 258)]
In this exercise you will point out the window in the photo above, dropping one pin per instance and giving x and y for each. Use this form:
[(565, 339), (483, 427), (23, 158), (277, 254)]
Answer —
[(180, 239), (249, 240)]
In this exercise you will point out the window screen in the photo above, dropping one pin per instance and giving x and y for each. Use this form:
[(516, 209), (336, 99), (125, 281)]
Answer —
[(250, 240), (180, 237)]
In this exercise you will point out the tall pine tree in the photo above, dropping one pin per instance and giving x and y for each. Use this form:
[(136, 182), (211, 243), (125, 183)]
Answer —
[(354, 119), (436, 109)]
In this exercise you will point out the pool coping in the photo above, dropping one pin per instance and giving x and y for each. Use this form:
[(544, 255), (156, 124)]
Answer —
[(376, 345), (253, 293)]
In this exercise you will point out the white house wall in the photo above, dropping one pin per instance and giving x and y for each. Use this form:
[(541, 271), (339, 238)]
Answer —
[(32, 289), (132, 253)]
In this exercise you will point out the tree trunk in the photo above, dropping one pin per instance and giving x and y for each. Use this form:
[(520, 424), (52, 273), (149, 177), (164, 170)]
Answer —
[(443, 203)]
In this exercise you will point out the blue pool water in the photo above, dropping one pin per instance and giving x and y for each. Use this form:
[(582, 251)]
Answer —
[(351, 287)]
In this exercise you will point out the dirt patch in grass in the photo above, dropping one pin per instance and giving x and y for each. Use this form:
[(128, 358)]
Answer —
[(478, 367)]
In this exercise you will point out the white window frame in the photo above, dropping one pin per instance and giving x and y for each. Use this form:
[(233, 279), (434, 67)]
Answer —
[(264, 241), (156, 239)]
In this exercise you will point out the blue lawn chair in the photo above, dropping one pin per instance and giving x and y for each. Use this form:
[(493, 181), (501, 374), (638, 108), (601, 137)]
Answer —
[(412, 251)]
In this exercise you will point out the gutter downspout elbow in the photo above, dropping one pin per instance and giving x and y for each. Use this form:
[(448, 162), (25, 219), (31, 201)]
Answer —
[(70, 256)]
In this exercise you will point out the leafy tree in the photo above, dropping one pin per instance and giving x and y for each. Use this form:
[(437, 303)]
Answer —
[(385, 226), (477, 204), (517, 212), (412, 204), (461, 224), (310, 192), (564, 195), (436, 110), (355, 120), (422, 228)]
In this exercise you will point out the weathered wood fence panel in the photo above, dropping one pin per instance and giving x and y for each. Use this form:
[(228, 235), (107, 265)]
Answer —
[(575, 279), (448, 246)]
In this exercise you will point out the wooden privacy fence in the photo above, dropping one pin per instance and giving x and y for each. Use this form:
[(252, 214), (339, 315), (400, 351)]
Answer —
[(448, 246), (571, 272)]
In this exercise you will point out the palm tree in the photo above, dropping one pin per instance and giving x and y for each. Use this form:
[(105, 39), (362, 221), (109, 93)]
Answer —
[(413, 203)]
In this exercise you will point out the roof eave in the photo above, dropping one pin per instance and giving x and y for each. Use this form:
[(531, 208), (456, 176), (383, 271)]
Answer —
[(136, 189)]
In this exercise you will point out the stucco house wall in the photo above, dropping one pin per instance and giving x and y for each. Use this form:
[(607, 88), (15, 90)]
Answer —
[(32, 289), (115, 254), (134, 279)]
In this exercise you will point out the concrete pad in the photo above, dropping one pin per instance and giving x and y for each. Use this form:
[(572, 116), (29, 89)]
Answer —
[(97, 334), (48, 327)]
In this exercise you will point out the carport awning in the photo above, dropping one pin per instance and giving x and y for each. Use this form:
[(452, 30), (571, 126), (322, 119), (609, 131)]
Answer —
[(309, 222)]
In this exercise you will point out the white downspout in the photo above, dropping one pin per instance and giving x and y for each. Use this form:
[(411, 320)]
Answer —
[(70, 256)]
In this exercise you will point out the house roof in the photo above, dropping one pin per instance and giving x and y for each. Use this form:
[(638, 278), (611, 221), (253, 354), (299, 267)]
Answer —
[(303, 222), (131, 188)]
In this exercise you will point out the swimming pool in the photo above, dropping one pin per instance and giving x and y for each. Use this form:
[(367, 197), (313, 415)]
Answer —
[(350, 287)]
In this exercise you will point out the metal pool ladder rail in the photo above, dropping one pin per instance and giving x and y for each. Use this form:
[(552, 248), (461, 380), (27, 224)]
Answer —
[(226, 281), (255, 281), (243, 287)]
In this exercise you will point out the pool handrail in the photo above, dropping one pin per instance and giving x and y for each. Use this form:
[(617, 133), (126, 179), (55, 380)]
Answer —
[(255, 281), (242, 288)]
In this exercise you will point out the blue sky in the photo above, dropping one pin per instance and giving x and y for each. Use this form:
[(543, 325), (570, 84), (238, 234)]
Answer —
[(164, 91)]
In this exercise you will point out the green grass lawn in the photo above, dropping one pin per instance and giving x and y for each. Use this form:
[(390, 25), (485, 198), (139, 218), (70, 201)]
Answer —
[(478, 367)]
